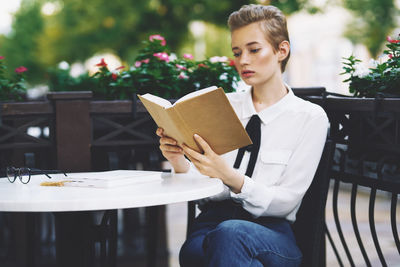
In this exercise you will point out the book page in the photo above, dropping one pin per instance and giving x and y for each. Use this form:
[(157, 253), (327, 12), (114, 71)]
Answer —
[(157, 100), (111, 178), (196, 93), (110, 175)]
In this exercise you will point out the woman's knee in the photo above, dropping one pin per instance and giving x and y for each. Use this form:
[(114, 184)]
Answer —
[(235, 228), (228, 232), (191, 253)]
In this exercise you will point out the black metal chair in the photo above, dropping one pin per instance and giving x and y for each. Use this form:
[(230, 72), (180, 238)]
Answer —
[(309, 227)]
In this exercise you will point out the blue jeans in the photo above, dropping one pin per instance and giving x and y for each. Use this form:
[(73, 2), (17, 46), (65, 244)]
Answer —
[(224, 234)]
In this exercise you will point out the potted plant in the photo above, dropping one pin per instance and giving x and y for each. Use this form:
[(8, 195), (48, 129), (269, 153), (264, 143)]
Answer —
[(162, 73), (12, 89), (383, 76), (155, 70), (369, 122)]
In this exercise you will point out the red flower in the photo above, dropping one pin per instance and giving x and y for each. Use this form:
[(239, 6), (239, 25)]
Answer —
[(102, 63), (201, 65), (120, 68), (390, 56), (231, 62), (21, 69), (114, 76), (1, 57), (390, 40)]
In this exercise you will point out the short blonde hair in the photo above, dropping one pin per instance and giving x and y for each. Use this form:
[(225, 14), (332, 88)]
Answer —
[(272, 22)]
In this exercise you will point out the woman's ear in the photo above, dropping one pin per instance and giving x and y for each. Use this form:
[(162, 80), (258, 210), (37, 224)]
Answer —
[(284, 49)]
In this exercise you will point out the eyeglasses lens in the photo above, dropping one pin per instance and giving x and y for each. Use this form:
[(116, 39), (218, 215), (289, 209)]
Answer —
[(25, 175), (11, 174)]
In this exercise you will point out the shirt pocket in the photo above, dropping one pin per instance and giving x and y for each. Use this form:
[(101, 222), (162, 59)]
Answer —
[(273, 163)]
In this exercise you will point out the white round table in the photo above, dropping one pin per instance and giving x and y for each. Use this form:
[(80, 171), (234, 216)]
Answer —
[(71, 207), (32, 197)]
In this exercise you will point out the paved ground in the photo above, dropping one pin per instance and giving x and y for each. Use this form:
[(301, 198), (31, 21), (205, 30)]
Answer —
[(176, 216)]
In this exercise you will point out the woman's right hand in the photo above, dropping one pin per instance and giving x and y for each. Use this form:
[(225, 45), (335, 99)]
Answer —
[(172, 152)]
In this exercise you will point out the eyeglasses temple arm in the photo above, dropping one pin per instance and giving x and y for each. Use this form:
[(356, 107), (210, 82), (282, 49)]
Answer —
[(45, 172)]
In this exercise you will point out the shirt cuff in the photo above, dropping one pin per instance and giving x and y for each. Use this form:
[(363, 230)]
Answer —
[(247, 188)]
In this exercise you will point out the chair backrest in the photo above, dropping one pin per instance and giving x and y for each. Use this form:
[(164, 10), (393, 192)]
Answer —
[(309, 227)]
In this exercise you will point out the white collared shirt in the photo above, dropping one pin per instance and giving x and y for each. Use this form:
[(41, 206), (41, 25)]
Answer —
[(293, 134)]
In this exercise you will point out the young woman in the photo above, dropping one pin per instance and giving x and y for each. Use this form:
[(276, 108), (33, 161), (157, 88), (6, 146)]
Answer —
[(249, 223)]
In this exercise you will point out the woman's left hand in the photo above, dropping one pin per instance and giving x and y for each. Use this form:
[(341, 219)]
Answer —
[(211, 164)]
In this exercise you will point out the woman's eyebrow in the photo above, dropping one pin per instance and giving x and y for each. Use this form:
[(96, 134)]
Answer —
[(252, 43), (248, 44)]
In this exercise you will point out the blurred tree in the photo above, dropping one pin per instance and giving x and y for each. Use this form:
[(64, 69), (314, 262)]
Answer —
[(83, 28), (373, 20), (46, 32), (20, 47)]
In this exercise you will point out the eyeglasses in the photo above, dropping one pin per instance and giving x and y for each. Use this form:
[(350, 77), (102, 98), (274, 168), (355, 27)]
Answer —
[(24, 174)]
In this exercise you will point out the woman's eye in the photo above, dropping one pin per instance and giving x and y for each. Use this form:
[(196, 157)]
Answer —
[(254, 50), (236, 54)]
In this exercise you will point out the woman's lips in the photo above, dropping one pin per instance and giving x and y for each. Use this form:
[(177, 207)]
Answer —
[(247, 73)]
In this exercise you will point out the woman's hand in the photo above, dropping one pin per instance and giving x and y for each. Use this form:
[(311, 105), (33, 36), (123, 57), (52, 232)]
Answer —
[(172, 152), (213, 165)]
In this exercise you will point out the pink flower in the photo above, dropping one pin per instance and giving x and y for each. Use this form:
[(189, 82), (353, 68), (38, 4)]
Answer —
[(146, 61), (201, 65), (216, 59), (114, 76), (390, 56), (120, 68), (180, 67), (1, 57), (138, 64), (158, 37), (21, 69), (162, 56), (182, 75), (390, 40), (188, 56), (102, 63)]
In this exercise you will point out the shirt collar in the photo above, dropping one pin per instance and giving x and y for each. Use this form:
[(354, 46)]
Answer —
[(271, 112)]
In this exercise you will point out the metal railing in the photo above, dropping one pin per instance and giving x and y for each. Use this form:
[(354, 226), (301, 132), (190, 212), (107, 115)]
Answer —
[(367, 159)]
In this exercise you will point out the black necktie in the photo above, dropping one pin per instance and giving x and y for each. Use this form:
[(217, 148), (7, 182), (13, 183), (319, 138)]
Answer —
[(253, 128)]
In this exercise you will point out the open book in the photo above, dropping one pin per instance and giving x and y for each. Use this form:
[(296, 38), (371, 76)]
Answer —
[(206, 112)]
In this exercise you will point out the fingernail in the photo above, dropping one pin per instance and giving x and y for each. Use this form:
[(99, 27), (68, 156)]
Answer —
[(196, 135)]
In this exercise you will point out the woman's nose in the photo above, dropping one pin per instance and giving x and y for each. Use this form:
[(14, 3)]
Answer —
[(244, 59)]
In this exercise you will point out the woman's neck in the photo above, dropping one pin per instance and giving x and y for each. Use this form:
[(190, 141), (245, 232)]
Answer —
[(267, 95)]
